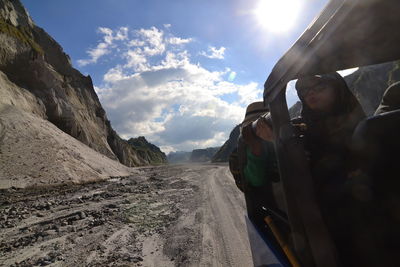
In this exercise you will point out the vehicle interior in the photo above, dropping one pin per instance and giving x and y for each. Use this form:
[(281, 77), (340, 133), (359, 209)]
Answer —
[(346, 34)]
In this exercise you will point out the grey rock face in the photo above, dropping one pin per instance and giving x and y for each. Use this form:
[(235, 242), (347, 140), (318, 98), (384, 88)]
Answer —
[(369, 83), (15, 13), (222, 155), (32, 60), (147, 151)]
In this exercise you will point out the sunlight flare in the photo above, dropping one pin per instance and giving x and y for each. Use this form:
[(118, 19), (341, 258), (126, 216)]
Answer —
[(277, 15)]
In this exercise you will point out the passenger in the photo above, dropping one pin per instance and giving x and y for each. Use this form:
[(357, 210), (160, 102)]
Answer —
[(257, 180), (331, 113), (260, 172)]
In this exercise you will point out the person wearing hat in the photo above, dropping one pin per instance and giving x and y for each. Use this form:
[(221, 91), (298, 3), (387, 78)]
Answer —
[(260, 172), (259, 165)]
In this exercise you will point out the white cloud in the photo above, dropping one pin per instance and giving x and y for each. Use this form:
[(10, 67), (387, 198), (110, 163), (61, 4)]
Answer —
[(153, 37), (178, 41), (103, 48), (122, 34), (107, 34), (136, 60), (95, 54), (213, 52), (157, 91), (114, 74), (136, 42), (249, 93)]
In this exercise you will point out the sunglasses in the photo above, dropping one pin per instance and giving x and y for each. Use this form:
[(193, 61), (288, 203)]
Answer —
[(303, 92)]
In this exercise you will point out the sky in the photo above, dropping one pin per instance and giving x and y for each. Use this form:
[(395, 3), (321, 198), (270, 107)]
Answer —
[(179, 72)]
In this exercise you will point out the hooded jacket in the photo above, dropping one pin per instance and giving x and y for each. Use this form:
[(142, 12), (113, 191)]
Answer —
[(328, 143), (328, 137)]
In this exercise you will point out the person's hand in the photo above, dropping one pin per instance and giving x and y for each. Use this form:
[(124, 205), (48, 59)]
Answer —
[(251, 140), (263, 130)]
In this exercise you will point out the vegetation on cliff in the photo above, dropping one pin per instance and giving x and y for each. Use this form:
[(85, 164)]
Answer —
[(22, 33), (148, 151)]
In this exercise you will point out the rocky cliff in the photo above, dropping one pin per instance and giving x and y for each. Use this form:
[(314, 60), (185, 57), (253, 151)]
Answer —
[(367, 83), (223, 153), (148, 151), (33, 61)]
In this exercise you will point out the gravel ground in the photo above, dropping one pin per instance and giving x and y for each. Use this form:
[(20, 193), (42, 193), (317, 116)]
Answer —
[(188, 215)]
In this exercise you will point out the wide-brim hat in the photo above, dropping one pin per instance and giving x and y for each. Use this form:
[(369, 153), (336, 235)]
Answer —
[(253, 112)]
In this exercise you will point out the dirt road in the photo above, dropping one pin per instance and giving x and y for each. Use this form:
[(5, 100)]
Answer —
[(188, 215)]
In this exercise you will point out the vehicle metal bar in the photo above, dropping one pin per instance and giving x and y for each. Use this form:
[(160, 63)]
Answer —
[(312, 241)]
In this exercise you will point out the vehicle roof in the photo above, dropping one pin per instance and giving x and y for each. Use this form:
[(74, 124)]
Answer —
[(346, 34)]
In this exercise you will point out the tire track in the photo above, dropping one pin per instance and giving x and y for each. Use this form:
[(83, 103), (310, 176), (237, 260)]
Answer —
[(230, 234), (2, 132)]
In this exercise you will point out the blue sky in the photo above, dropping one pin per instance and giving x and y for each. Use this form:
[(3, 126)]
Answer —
[(179, 72)]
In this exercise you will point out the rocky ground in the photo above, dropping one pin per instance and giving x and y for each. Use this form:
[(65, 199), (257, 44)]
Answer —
[(162, 216)]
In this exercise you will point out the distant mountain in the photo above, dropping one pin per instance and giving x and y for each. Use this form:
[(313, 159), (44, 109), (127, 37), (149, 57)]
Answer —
[(203, 155), (179, 157), (148, 151), (223, 153), (197, 155)]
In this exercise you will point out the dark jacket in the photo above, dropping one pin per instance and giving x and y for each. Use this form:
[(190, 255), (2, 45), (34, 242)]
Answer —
[(328, 139), (328, 144)]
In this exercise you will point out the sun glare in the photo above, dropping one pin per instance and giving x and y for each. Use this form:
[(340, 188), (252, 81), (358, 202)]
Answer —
[(277, 15)]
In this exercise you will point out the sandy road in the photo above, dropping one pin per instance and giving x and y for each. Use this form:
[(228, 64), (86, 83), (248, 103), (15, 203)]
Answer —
[(187, 215), (224, 223)]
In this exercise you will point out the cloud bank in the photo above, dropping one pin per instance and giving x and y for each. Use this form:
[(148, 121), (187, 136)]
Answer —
[(156, 89)]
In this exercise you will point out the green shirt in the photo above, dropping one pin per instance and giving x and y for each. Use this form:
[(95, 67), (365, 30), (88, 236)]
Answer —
[(261, 169)]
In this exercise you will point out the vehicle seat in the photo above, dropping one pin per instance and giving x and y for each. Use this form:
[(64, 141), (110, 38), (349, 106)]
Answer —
[(376, 142), (376, 188)]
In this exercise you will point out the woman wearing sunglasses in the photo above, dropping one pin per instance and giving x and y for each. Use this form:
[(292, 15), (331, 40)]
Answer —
[(330, 113)]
